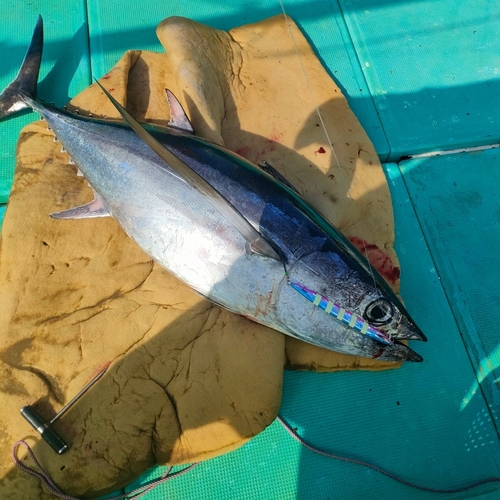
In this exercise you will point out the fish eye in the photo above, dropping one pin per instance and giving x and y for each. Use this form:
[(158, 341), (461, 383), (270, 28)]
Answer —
[(379, 312)]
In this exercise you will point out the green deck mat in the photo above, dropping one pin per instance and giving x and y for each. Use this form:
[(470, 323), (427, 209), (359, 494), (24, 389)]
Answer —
[(455, 202), (433, 69), (436, 423)]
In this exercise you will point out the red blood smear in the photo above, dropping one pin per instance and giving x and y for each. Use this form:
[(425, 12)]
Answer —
[(276, 136), (267, 150), (244, 151), (251, 153), (378, 259), (321, 150)]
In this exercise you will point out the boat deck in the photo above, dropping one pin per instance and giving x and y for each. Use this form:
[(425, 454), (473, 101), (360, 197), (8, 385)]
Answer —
[(422, 77)]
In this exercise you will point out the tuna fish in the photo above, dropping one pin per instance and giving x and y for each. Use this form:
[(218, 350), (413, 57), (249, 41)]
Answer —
[(238, 234)]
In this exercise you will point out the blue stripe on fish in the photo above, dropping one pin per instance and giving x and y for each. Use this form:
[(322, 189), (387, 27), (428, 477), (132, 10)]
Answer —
[(347, 317)]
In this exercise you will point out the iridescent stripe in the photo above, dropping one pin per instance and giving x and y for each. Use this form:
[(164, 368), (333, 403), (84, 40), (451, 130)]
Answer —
[(338, 312)]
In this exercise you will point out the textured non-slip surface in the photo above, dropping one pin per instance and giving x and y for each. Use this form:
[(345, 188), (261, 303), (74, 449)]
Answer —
[(455, 201), (432, 69), (420, 76)]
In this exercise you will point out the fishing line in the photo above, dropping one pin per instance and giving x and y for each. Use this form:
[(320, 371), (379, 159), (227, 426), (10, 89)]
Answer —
[(50, 485), (380, 470), (369, 265), (309, 88)]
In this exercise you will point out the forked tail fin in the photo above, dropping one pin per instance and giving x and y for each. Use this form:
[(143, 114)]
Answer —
[(11, 99)]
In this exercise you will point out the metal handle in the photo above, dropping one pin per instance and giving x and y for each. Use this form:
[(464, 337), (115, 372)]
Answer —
[(48, 435)]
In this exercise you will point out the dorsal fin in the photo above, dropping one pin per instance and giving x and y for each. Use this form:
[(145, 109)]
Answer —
[(255, 241), (178, 117)]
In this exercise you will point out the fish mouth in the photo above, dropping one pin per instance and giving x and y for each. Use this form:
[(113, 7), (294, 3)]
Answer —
[(412, 355), (398, 352)]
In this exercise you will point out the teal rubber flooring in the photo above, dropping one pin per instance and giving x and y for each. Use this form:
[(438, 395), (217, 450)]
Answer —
[(422, 76)]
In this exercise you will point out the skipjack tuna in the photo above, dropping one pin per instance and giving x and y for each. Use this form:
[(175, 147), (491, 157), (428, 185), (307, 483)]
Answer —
[(239, 235)]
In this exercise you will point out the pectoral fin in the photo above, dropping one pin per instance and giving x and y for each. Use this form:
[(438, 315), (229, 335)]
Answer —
[(90, 210), (253, 238)]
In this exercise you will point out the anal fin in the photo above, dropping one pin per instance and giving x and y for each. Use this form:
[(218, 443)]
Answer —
[(91, 210)]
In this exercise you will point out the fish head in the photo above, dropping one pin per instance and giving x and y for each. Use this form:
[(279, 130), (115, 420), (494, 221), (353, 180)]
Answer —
[(335, 304)]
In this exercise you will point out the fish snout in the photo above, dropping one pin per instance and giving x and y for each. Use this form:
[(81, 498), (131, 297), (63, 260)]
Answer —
[(408, 330)]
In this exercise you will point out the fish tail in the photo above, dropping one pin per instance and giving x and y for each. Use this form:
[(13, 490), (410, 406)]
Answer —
[(12, 99)]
